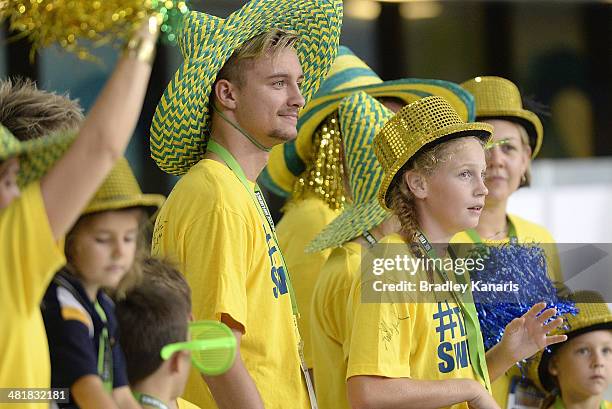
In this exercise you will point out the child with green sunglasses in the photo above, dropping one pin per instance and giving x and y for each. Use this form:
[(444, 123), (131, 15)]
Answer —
[(160, 343)]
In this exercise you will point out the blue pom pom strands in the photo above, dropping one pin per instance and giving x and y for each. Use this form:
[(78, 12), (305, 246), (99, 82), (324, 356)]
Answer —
[(513, 279)]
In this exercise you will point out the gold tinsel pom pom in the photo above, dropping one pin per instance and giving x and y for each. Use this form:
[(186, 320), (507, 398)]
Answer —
[(70, 22)]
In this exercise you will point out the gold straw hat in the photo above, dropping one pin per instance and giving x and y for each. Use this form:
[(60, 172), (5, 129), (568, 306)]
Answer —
[(419, 125), (36, 156), (120, 190), (593, 315), (361, 117), (499, 98)]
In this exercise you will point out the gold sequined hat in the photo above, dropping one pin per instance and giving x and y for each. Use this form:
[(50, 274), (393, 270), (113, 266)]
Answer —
[(36, 156), (348, 75), (361, 117), (181, 125), (120, 190), (593, 315), (418, 126), (499, 98)]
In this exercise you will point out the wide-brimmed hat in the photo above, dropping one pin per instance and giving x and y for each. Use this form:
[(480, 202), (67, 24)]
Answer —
[(418, 126), (593, 314), (35, 155), (349, 74), (120, 190), (181, 125), (361, 117), (499, 98)]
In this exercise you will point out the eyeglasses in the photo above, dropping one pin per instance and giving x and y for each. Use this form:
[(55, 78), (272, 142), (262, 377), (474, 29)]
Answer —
[(212, 345)]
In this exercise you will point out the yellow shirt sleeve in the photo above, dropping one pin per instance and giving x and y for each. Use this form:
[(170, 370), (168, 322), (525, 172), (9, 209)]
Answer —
[(30, 254)]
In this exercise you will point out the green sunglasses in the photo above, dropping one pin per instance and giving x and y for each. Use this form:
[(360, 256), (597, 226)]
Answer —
[(212, 346)]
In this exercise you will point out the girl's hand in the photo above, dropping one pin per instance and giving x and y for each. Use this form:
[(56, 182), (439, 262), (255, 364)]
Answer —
[(527, 335)]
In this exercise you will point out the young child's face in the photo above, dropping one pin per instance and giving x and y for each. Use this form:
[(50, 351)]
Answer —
[(583, 366), (456, 190), (105, 246), (9, 190)]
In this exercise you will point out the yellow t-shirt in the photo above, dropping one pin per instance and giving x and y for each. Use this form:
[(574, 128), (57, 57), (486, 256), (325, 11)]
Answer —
[(183, 404), (212, 229), (30, 257), (301, 222), (419, 340), (329, 327), (526, 232)]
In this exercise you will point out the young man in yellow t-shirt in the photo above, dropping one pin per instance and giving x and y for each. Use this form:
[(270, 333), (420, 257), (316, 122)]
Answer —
[(34, 221), (215, 224)]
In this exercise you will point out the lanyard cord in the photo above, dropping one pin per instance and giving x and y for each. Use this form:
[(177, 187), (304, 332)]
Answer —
[(149, 400), (262, 208), (512, 236), (474, 334), (369, 238), (105, 360)]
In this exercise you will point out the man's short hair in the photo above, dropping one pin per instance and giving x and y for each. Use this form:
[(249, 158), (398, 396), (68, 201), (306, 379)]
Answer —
[(31, 113), (268, 43), (151, 316)]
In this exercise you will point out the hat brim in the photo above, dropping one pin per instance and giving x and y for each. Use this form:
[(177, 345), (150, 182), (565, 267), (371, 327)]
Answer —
[(181, 124), (288, 161), (150, 202), (545, 379), (480, 130), (38, 155), (527, 119), (351, 223)]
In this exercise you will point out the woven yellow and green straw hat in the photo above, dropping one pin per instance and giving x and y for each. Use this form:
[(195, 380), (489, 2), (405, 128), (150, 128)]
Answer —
[(415, 127), (181, 125), (499, 98), (361, 117), (593, 315), (120, 190), (348, 75), (36, 156)]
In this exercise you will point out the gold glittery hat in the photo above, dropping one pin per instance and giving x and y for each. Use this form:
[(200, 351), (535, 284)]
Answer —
[(593, 315), (36, 156), (499, 98), (120, 190), (417, 126)]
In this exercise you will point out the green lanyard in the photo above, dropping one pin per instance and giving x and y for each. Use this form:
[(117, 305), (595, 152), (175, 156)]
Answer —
[(470, 316), (559, 404), (369, 238), (262, 208), (512, 236), (264, 213), (105, 355), (149, 400)]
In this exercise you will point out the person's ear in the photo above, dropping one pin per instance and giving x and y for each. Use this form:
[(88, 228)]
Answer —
[(417, 183), (225, 94), (552, 367)]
